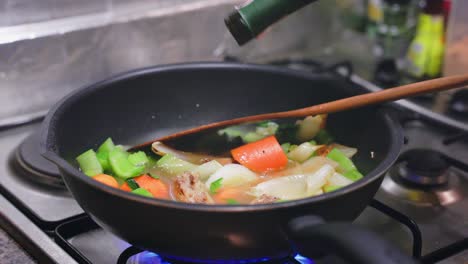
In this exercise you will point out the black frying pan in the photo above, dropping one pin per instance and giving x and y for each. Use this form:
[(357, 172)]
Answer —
[(140, 105)]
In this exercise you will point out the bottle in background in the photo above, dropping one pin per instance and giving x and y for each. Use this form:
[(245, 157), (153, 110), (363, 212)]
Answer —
[(425, 53)]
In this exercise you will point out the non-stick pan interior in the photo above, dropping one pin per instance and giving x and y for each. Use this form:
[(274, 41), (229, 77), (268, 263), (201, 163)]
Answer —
[(147, 104)]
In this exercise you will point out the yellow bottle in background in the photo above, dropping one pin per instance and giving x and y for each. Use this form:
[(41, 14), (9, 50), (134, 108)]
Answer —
[(425, 53)]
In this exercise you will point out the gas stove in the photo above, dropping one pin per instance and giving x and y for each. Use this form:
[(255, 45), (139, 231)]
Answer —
[(420, 207)]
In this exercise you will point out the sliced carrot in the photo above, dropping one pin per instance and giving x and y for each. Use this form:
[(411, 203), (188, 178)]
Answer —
[(156, 187), (262, 155), (125, 187), (107, 180)]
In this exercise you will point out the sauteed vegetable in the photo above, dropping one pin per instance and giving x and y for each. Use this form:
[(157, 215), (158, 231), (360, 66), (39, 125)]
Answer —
[(275, 163)]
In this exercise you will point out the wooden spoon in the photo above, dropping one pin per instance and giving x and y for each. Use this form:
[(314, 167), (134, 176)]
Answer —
[(386, 95)]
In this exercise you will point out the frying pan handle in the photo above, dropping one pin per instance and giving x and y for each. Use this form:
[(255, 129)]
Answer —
[(311, 236)]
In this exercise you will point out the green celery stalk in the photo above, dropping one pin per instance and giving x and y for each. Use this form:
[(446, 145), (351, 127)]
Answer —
[(89, 163), (103, 158), (142, 192), (331, 188), (173, 165), (103, 153), (107, 146), (251, 137), (353, 175), (121, 166), (345, 163), (138, 158)]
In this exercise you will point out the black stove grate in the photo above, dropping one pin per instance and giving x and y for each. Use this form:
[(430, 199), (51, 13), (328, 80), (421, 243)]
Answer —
[(405, 220)]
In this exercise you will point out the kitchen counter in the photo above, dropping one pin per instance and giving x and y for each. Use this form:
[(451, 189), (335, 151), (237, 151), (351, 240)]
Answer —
[(11, 252)]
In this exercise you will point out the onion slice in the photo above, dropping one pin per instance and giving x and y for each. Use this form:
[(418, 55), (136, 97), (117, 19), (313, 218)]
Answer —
[(195, 158)]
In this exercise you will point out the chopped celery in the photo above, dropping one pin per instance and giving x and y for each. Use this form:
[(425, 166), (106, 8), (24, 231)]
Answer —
[(121, 166), (331, 188), (103, 153), (353, 175), (89, 163), (323, 137), (345, 163), (267, 129), (251, 137), (293, 147), (231, 132), (173, 165), (313, 142), (285, 147), (138, 158), (206, 169), (107, 146), (103, 158), (142, 192), (132, 184)]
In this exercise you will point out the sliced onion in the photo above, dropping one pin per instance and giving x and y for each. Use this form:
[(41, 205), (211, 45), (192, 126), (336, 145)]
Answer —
[(338, 180), (286, 188), (206, 169), (161, 149), (309, 127), (347, 151), (303, 151), (317, 180), (233, 175), (315, 163)]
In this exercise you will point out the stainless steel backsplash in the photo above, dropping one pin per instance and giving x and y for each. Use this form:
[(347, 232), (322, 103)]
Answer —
[(43, 61)]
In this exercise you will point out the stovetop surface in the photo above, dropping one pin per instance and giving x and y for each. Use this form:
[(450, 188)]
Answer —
[(49, 206)]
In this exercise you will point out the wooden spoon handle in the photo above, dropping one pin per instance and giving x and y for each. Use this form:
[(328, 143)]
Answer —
[(386, 95)]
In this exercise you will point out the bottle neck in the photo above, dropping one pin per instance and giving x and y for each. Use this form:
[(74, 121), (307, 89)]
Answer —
[(253, 17)]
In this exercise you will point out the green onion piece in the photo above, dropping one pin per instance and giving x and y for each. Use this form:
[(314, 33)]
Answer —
[(142, 192), (323, 137), (214, 186), (121, 166), (252, 137), (132, 184), (331, 188), (313, 142), (353, 175), (285, 147), (138, 158), (345, 163), (231, 201), (89, 163)]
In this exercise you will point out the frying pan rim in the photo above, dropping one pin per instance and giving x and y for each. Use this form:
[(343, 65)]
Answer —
[(47, 145)]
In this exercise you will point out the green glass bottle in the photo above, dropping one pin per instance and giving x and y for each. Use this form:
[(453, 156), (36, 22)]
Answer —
[(254, 16)]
